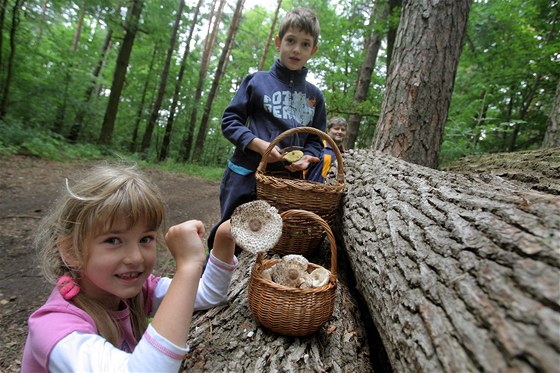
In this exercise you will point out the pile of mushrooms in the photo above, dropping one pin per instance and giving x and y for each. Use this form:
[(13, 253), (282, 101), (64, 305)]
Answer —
[(256, 227), (291, 271)]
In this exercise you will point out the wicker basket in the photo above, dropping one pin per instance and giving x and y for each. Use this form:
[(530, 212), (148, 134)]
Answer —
[(290, 311), (299, 236)]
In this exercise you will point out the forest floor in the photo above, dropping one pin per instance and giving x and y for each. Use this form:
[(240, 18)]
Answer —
[(28, 186)]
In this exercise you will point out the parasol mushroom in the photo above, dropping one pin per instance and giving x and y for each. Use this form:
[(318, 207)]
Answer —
[(256, 226)]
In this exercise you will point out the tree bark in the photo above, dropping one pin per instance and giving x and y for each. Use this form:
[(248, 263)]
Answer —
[(535, 169), (552, 134), (227, 339), (120, 73), (420, 84), (460, 273), (11, 58)]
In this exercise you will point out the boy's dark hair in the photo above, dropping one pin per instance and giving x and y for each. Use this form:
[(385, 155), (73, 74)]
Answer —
[(302, 19)]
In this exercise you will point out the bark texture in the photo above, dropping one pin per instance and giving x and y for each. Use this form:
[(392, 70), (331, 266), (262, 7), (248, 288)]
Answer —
[(460, 273), (536, 169), (421, 79), (227, 339)]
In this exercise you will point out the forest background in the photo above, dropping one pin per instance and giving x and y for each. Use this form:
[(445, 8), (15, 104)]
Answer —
[(150, 79)]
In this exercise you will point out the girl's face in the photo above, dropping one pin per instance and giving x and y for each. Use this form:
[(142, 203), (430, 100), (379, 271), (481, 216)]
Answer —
[(119, 263), (296, 47)]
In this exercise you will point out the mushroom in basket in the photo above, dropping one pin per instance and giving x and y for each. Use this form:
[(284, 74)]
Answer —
[(256, 226), (291, 271)]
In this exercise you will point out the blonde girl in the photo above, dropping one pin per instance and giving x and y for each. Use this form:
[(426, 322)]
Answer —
[(99, 246)]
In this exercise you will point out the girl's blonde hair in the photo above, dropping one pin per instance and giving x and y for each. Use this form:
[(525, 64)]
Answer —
[(105, 195)]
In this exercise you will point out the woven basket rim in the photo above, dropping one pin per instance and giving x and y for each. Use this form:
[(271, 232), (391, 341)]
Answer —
[(339, 182), (323, 224)]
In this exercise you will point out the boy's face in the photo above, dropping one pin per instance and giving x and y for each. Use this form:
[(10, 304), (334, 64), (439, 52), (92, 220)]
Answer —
[(295, 48), (337, 132)]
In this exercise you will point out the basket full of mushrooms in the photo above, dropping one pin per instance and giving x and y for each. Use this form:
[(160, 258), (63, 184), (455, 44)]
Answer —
[(289, 295), (300, 234)]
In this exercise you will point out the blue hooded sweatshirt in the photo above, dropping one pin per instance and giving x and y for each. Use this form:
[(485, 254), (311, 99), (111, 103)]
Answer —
[(268, 103)]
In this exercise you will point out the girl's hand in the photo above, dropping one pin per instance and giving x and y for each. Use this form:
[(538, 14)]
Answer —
[(302, 163), (184, 241)]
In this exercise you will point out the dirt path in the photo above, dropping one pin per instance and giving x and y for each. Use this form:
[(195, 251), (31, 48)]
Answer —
[(27, 187)]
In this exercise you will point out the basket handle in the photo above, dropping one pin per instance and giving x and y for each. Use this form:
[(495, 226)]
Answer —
[(293, 131), (322, 223)]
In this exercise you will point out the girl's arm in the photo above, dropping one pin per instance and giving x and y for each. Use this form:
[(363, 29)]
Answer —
[(173, 317), (214, 285)]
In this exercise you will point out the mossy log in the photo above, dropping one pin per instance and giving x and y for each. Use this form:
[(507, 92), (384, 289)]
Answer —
[(460, 273), (227, 339)]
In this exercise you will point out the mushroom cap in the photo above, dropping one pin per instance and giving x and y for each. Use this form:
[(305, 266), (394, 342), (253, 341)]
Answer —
[(319, 277), (290, 270), (256, 226), (295, 260)]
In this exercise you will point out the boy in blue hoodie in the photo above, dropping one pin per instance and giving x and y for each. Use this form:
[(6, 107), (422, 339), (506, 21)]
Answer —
[(267, 104)]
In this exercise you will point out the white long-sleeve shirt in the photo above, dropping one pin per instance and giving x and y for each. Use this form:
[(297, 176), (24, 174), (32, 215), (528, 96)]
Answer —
[(76, 346)]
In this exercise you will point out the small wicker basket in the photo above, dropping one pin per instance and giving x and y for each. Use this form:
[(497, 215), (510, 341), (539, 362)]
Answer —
[(290, 311), (300, 236)]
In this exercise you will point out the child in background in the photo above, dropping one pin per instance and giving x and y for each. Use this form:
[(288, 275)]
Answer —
[(99, 245), (267, 104), (336, 129)]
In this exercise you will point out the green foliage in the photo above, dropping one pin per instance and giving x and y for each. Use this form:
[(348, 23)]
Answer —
[(503, 92), (506, 79)]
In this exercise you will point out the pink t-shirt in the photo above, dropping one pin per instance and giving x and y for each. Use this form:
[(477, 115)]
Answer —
[(57, 318)]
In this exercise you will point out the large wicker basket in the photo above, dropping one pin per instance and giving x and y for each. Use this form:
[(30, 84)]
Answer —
[(299, 235), (290, 311)]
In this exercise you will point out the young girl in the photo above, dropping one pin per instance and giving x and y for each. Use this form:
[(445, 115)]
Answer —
[(99, 246)]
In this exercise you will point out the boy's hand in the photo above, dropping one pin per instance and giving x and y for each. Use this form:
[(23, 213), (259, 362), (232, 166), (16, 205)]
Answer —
[(185, 242), (303, 163), (259, 145)]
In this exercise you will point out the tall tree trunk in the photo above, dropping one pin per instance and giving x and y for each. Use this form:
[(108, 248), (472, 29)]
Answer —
[(11, 58), (419, 87), (61, 110), (140, 110), (220, 71), (394, 5), (373, 43), (552, 134), (76, 127), (178, 84), (209, 45), (145, 147), (459, 273), (270, 35), (133, 16), (3, 6)]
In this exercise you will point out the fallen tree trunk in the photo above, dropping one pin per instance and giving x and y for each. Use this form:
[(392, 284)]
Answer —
[(460, 274), (536, 169), (227, 339)]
